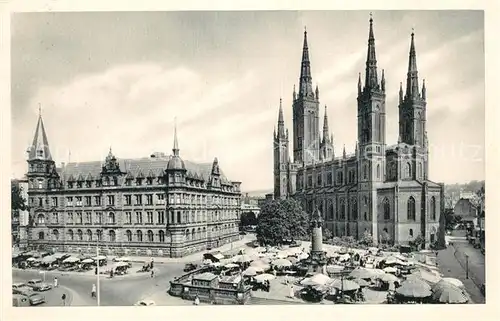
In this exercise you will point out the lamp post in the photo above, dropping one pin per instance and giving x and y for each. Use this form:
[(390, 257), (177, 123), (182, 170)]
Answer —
[(466, 266)]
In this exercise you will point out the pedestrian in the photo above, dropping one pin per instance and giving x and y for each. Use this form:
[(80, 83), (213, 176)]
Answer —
[(196, 300), (55, 282), (94, 291), (152, 273), (286, 279), (63, 297), (292, 293), (111, 273)]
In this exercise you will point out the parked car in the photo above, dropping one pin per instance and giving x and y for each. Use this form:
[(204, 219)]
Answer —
[(34, 298), (19, 300), (19, 287), (145, 303), (39, 285), (190, 267)]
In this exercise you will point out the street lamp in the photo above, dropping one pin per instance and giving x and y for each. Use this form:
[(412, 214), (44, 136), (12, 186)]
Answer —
[(466, 266)]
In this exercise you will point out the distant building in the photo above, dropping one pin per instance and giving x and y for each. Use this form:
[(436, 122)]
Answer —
[(19, 218), (158, 205), (466, 209)]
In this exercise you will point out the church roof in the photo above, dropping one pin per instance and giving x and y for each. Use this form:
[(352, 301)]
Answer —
[(40, 147), (139, 167)]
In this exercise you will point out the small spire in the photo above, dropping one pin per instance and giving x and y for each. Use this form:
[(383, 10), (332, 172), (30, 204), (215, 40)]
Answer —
[(400, 92), (317, 92), (294, 93), (412, 76), (360, 85), (344, 153), (424, 90), (305, 82), (176, 143), (371, 81), (39, 110), (40, 146), (382, 82), (325, 126)]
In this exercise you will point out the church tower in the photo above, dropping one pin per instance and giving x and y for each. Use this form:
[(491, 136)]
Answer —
[(371, 137), (281, 158), (412, 119), (306, 139), (42, 174), (371, 118)]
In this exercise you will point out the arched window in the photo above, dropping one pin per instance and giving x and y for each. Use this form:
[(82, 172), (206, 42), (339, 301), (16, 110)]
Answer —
[(193, 235), (387, 209), (40, 219), (139, 236), (150, 236), (330, 210), (411, 232), (178, 217), (198, 233), (111, 218), (365, 171), (378, 170), (408, 170), (161, 235), (41, 235), (112, 236), (70, 235), (411, 209), (204, 232), (420, 170), (354, 209), (129, 235), (99, 235), (80, 235), (55, 233), (89, 235), (433, 208), (342, 209)]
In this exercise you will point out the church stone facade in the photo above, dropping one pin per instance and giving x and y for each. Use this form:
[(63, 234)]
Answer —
[(156, 206), (381, 189)]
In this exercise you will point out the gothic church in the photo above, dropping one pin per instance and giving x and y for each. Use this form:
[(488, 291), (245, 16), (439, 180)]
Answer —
[(381, 189)]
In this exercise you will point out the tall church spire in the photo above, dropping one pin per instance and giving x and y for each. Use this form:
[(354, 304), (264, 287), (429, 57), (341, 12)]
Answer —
[(281, 121), (305, 83), (40, 147), (412, 76), (371, 81), (176, 143)]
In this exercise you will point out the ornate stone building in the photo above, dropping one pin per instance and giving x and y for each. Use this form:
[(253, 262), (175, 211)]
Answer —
[(160, 205), (381, 189)]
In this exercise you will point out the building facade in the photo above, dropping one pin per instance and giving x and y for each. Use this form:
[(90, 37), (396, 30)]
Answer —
[(467, 210), (381, 189), (156, 206), (20, 218)]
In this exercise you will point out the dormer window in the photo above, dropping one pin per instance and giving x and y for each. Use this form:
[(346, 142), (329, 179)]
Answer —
[(88, 184), (149, 181), (128, 182), (138, 181), (70, 184), (79, 184)]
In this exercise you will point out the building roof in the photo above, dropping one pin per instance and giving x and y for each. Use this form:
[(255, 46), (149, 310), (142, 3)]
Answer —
[(206, 276), (138, 167), (231, 279), (40, 147)]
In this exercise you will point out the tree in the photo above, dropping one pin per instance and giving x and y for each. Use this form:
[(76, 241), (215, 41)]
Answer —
[(327, 234), (248, 218), (17, 201), (279, 220), (367, 239)]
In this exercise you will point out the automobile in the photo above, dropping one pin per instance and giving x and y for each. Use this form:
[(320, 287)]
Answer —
[(39, 285), (145, 303), (34, 298), (19, 300), (190, 267), (19, 287)]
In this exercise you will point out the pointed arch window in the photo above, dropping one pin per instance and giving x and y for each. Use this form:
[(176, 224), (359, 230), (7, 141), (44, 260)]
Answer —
[(365, 171), (161, 236), (70, 235), (111, 218), (128, 233), (55, 233), (411, 209), (330, 211), (80, 235), (420, 170), (354, 209), (89, 235), (378, 170), (408, 170), (342, 209), (139, 236), (150, 236), (387, 209), (433, 208)]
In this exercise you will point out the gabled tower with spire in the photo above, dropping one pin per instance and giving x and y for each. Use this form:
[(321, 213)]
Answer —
[(306, 139), (412, 119), (176, 169), (42, 174), (326, 147), (281, 158)]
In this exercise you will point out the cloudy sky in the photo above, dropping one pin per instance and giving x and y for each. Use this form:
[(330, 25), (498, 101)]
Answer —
[(120, 79)]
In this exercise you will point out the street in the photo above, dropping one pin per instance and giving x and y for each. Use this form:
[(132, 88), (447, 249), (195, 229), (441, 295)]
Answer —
[(119, 291)]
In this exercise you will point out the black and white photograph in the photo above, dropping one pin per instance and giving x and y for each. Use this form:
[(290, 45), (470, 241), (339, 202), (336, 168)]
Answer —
[(247, 157)]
